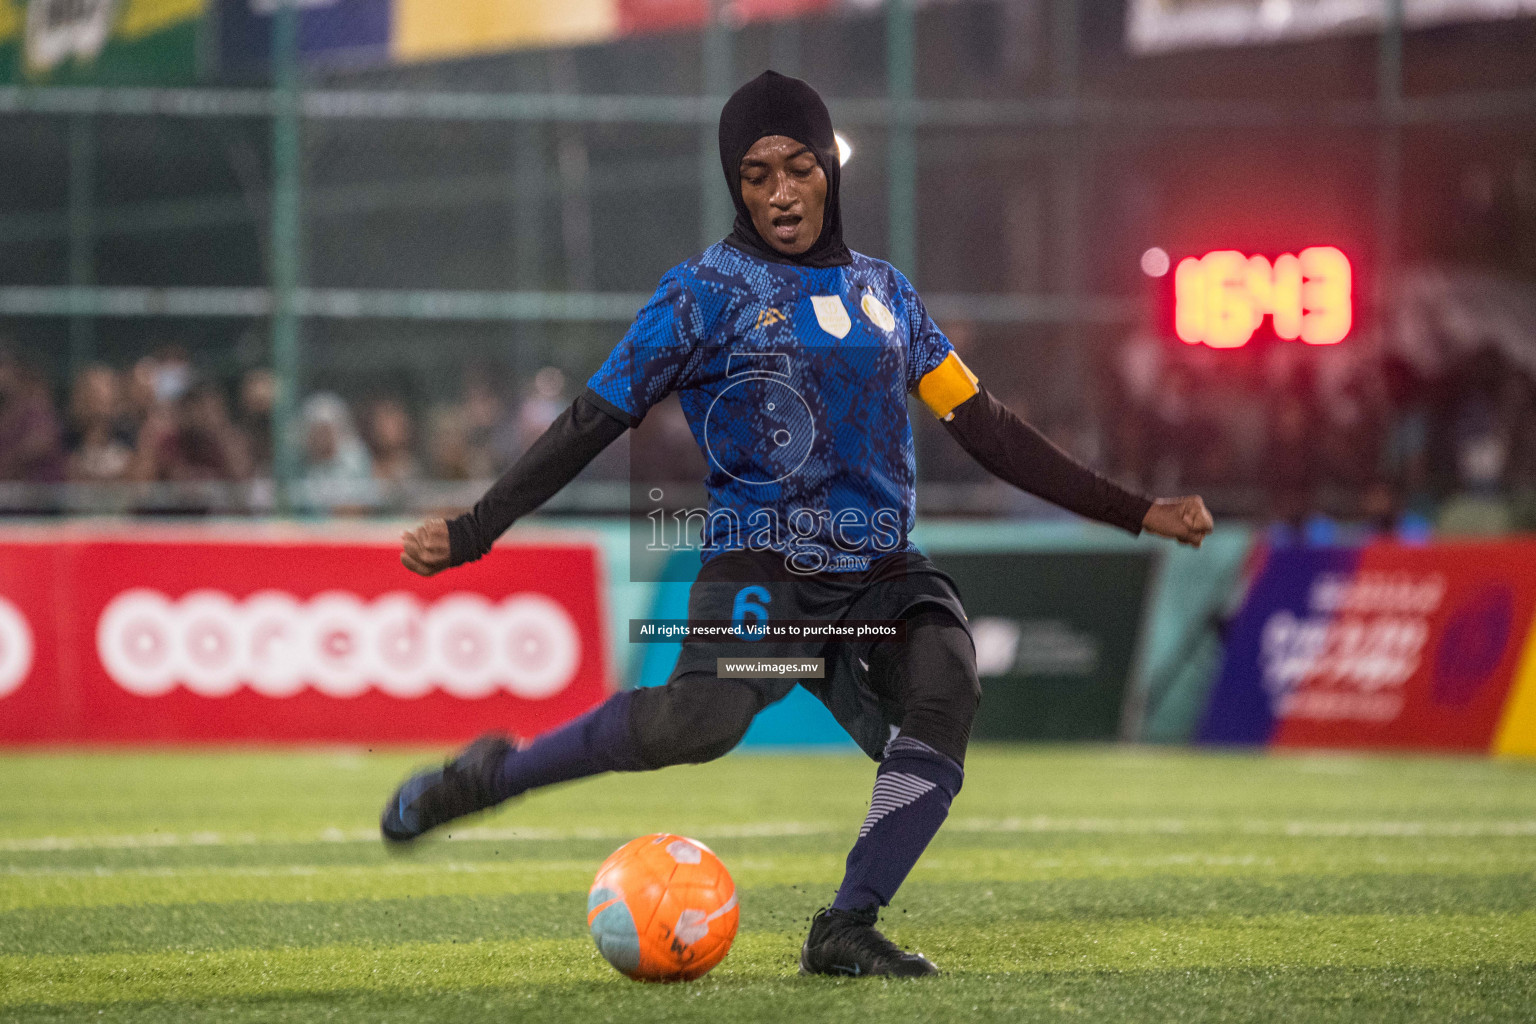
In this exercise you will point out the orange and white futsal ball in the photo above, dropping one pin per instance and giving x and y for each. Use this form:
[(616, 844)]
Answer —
[(663, 908)]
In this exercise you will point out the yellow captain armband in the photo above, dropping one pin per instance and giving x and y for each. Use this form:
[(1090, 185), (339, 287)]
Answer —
[(947, 385)]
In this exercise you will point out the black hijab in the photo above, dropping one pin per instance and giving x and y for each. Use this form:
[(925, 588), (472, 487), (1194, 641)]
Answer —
[(775, 104)]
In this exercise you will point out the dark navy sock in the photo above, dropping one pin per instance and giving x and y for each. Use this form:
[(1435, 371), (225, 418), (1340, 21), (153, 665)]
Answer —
[(913, 790), (598, 741)]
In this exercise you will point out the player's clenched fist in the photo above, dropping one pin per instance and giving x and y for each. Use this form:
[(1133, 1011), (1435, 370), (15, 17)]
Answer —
[(424, 550), (1186, 520)]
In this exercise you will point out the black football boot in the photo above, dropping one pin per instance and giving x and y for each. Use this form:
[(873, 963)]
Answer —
[(435, 796), (845, 942)]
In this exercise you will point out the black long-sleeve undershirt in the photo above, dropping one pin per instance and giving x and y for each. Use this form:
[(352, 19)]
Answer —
[(554, 460), (1005, 445), (1017, 453)]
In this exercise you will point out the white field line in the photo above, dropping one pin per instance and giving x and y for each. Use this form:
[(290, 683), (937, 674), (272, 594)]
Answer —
[(465, 867), (1411, 859), (1177, 826), (779, 829)]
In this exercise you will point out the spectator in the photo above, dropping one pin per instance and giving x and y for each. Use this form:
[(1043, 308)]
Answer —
[(1482, 450), (544, 402), (389, 439), (1291, 462), (491, 432), (192, 441), (258, 396), (171, 374), (333, 453), (31, 442), (1486, 434), (1404, 458), (1175, 439), (1352, 406), (449, 453), (157, 382), (1520, 477), (1138, 376), (100, 439), (1379, 507), (493, 437), (140, 401)]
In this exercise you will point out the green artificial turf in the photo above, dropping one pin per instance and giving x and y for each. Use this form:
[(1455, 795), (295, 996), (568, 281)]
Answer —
[(1079, 884)]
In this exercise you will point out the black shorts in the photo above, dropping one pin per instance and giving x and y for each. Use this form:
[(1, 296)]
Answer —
[(750, 585)]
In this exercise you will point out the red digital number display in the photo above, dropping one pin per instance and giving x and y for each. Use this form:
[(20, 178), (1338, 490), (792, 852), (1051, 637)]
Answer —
[(1221, 298)]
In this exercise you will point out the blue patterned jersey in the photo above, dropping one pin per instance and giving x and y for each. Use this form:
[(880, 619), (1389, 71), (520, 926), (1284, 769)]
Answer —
[(794, 381)]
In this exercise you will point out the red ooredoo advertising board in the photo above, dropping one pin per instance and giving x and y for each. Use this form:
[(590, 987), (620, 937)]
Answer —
[(292, 638)]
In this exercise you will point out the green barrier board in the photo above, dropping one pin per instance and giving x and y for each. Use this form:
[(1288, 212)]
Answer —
[(1056, 636)]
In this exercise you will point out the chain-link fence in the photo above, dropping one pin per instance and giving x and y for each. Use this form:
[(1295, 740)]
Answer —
[(297, 286)]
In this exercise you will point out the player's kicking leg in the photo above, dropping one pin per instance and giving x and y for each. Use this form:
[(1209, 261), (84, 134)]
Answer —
[(933, 678), (694, 718), (463, 785), (492, 770)]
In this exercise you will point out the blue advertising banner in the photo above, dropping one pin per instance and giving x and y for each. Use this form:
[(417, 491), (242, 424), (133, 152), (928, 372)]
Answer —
[(1387, 646), (1241, 707)]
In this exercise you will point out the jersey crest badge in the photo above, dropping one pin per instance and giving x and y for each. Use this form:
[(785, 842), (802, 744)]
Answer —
[(832, 315), (876, 311)]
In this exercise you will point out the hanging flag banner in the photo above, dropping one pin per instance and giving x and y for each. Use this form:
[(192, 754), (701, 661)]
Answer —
[(332, 32), (1155, 26), (360, 32), (434, 29), (100, 42), (1385, 646), (641, 16)]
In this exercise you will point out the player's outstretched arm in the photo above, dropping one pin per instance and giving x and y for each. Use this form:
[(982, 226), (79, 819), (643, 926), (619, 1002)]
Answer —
[(553, 461), (1017, 453)]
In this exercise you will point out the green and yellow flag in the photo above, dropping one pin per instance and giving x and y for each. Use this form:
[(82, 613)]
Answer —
[(100, 42)]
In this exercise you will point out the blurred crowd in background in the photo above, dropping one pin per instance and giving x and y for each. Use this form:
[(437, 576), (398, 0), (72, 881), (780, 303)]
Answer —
[(161, 421), (1342, 434), (1299, 438)]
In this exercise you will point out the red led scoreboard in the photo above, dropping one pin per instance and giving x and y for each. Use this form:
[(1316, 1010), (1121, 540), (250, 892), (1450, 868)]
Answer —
[(1222, 298)]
